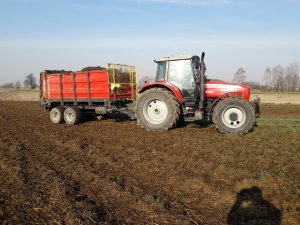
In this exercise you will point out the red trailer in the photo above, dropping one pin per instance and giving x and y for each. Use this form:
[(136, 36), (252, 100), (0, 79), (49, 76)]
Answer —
[(92, 91)]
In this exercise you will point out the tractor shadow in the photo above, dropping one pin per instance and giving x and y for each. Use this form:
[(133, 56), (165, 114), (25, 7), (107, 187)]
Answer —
[(120, 117), (201, 123), (250, 208), (116, 117)]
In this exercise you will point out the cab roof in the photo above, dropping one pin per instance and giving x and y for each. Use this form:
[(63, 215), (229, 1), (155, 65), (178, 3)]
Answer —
[(174, 58)]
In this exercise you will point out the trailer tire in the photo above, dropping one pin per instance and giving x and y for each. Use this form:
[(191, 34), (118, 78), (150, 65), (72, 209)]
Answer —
[(57, 114), (234, 115), (157, 109), (72, 115)]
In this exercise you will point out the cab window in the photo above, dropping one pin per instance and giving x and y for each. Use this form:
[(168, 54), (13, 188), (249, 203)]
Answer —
[(161, 70), (180, 74)]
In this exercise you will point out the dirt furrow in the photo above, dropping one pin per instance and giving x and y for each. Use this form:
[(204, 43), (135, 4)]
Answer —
[(120, 174)]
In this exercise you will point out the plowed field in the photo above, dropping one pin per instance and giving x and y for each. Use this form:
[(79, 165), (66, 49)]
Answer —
[(113, 172)]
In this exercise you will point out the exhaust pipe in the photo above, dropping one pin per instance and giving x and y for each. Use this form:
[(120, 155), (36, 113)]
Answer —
[(202, 83)]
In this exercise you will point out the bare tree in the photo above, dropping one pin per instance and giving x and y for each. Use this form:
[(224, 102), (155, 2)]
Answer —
[(278, 78), (281, 79), (292, 77), (18, 84), (267, 78), (30, 81), (239, 76)]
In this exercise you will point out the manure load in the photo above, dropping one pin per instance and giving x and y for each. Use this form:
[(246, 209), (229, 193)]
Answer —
[(117, 73)]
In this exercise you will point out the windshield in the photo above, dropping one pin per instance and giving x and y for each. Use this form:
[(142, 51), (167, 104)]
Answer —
[(180, 74)]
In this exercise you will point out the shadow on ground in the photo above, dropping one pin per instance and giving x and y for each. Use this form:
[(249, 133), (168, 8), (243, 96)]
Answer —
[(250, 208)]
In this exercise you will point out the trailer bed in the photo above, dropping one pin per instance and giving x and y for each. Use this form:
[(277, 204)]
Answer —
[(89, 87)]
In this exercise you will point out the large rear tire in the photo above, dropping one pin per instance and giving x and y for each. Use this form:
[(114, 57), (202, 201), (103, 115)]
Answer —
[(57, 114), (234, 115), (157, 109), (72, 115)]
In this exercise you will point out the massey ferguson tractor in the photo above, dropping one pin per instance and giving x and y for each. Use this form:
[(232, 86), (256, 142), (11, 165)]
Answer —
[(181, 92)]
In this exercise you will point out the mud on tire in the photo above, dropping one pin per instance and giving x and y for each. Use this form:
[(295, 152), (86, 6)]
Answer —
[(234, 115), (157, 109)]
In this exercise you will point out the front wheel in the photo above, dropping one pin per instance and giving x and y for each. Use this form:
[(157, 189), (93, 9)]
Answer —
[(157, 109), (234, 115)]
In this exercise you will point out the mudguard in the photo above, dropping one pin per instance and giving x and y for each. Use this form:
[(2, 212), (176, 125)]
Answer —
[(166, 85)]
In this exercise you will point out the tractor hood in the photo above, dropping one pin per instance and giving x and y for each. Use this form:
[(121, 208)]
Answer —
[(215, 89)]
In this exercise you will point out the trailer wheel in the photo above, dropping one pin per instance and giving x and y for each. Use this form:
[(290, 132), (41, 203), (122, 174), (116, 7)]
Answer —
[(72, 115), (157, 109), (57, 114), (234, 115)]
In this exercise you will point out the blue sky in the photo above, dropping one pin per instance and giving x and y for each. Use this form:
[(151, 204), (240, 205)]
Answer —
[(71, 34)]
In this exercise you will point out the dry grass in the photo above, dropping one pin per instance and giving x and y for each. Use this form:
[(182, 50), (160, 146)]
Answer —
[(19, 94), (110, 172), (277, 97)]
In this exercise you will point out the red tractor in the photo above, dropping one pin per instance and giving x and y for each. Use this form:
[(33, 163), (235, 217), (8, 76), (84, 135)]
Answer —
[(181, 92)]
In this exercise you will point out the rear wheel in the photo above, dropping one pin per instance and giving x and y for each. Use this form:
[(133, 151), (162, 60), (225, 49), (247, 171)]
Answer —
[(72, 115), (234, 115), (157, 109), (57, 114)]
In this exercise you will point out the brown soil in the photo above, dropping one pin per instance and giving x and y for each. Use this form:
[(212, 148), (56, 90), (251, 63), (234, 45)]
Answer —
[(113, 172)]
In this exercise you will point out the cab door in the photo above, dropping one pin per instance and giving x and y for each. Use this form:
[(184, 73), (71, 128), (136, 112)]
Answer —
[(180, 74)]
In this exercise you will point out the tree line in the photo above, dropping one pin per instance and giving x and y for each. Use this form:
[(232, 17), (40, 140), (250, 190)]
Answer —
[(277, 78), (29, 82)]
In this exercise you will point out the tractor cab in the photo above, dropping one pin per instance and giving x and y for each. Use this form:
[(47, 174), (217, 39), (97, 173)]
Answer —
[(187, 74), (179, 71)]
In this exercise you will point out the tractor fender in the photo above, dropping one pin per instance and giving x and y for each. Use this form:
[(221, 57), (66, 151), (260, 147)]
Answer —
[(165, 85)]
